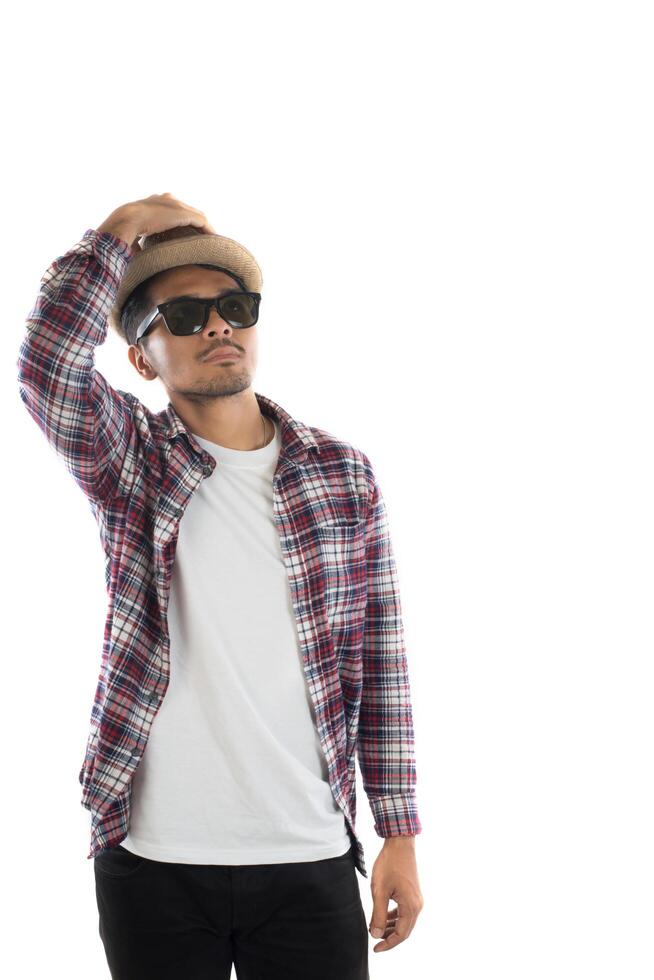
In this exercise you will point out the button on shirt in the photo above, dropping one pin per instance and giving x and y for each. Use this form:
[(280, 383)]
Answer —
[(229, 708)]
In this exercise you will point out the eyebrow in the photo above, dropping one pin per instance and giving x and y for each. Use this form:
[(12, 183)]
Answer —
[(223, 292)]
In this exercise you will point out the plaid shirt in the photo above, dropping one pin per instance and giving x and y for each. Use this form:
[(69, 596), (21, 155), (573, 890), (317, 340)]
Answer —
[(138, 470)]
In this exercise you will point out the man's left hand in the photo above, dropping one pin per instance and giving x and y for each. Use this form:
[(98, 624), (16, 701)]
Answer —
[(395, 875)]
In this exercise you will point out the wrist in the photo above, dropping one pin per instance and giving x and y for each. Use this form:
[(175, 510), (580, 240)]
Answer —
[(120, 225)]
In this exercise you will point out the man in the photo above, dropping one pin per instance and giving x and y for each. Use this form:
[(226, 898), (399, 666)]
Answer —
[(253, 643)]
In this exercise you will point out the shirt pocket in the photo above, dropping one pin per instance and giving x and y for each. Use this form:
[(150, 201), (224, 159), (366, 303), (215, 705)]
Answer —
[(342, 556)]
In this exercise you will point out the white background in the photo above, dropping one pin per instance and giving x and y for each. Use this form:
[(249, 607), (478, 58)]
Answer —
[(452, 208)]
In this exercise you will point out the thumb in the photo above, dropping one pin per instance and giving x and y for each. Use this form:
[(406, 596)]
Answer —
[(378, 920)]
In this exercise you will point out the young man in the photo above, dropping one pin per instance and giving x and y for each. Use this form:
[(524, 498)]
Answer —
[(253, 643)]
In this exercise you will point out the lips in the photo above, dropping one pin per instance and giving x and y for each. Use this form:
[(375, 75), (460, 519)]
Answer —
[(223, 352)]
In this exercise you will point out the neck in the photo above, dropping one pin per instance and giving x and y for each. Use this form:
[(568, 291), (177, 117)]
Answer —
[(233, 421)]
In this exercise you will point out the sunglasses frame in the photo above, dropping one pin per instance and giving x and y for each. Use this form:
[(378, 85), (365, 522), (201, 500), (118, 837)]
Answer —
[(147, 324)]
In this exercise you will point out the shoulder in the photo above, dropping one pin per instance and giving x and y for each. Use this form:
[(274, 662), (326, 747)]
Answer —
[(335, 452)]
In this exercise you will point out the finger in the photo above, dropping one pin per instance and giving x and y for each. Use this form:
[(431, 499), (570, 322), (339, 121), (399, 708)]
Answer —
[(381, 916), (187, 207), (401, 931), (385, 944), (403, 925), (202, 223), (208, 227), (390, 941)]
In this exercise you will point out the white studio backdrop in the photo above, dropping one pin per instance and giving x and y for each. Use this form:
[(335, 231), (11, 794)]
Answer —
[(452, 208)]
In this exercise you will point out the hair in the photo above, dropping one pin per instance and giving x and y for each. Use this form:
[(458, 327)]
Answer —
[(139, 304)]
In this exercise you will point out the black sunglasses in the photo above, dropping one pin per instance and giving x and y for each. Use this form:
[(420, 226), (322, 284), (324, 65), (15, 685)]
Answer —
[(186, 315)]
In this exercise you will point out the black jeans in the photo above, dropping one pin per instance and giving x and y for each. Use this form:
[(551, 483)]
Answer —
[(299, 921)]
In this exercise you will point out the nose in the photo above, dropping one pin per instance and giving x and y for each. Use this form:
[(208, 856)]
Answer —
[(215, 322)]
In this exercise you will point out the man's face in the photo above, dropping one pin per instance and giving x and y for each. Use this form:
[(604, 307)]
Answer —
[(179, 362)]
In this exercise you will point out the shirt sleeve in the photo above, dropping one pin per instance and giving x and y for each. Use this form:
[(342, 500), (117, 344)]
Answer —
[(385, 741), (88, 423)]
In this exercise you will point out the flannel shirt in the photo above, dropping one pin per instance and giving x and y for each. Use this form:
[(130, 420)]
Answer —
[(138, 469)]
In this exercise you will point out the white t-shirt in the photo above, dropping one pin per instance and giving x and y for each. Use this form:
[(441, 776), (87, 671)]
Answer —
[(234, 772)]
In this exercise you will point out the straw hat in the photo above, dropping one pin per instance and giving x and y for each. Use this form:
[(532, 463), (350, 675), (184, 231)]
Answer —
[(182, 246)]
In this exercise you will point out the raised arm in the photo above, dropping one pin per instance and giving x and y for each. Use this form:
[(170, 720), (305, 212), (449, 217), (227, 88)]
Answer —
[(88, 423)]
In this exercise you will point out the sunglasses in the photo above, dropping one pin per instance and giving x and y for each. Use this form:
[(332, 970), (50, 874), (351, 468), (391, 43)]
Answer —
[(186, 315)]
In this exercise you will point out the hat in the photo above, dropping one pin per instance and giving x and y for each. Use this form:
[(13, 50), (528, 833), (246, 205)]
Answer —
[(183, 246)]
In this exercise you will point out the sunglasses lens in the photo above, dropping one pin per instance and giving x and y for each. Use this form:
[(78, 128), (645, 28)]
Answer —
[(185, 317), (238, 309)]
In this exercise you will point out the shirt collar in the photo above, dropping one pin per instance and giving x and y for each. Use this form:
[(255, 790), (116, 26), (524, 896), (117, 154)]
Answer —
[(297, 438)]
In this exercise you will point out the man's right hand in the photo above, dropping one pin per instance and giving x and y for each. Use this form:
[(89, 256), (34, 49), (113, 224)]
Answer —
[(152, 214)]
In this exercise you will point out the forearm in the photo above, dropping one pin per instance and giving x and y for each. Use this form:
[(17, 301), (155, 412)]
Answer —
[(84, 419)]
